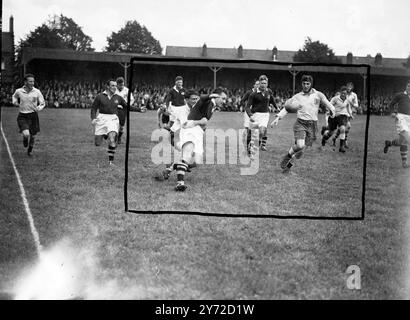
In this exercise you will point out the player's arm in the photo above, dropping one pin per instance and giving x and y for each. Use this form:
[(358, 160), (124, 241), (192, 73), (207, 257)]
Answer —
[(15, 99), (94, 109), (168, 99), (41, 102), (272, 101), (248, 105), (123, 103), (132, 100), (281, 114), (327, 104)]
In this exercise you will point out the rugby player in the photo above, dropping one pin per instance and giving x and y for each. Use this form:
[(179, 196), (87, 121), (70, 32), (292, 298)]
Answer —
[(122, 91)]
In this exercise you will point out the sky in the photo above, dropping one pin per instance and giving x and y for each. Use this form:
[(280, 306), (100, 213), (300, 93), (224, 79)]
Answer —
[(359, 26)]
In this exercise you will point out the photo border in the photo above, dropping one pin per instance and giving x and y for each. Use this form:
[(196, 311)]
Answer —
[(243, 61)]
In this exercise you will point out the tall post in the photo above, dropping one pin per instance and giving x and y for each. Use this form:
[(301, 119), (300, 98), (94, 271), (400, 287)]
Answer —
[(294, 73), (364, 76), (125, 65), (215, 70)]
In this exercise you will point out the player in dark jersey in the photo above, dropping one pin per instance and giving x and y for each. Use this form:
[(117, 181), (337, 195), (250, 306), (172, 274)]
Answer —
[(402, 117), (192, 132), (258, 111), (244, 101)]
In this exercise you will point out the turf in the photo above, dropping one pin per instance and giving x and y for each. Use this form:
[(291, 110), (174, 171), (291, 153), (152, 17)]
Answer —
[(75, 195)]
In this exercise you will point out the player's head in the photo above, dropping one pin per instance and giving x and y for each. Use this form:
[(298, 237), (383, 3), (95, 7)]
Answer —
[(112, 86), (179, 82), (343, 92), (307, 83), (192, 97), (29, 80), (263, 82), (349, 86), (120, 83), (222, 95), (256, 84)]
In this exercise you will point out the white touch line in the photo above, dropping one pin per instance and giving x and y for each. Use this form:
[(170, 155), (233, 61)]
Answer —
[(23, 196)]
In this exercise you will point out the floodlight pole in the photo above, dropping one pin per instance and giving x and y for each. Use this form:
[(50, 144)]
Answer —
[(294, 73), (125, 65), (215, 70), (364, 76)]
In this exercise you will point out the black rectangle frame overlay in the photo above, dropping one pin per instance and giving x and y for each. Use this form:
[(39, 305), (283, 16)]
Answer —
[(263, 62)]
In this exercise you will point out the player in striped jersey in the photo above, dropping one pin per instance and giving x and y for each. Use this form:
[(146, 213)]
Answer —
[(192, 132), (402, 118), (305, 127), (122, 91), (342, 113)]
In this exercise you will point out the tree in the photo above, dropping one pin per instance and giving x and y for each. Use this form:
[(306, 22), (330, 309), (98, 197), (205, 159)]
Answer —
[(133, 38), (317, 52), (59, 32)]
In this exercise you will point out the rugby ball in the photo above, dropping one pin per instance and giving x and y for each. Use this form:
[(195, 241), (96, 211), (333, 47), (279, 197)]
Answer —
[(292, 106)]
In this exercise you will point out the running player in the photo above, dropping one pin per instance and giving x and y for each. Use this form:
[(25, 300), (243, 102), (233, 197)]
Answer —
[(342, 113), (402, 117), (107, 122), (244, 102), (192, 132), (122, 91), (30, 101), (305, 127), (257, 109)]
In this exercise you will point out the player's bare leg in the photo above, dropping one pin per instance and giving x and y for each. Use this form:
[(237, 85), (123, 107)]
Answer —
[(182, 166), (26, 137), (263, 138), (31, 144), (112, 145), (288, 160), (120, 133), (342, 140), (402, 141)]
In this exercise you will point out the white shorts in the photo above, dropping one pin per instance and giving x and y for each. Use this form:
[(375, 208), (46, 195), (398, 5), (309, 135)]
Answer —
[(261, 119), (402, 122), (178, 115), (106, 123), (196, 136), (245, 120)]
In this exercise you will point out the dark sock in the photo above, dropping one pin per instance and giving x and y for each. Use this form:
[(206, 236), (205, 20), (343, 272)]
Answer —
[(181, 168), (403, 153), (111, 153)]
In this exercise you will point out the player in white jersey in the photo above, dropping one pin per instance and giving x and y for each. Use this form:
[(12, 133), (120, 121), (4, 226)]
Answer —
[(122, 91), (351, 97), (30, 101), (343, 112), (305, 127)]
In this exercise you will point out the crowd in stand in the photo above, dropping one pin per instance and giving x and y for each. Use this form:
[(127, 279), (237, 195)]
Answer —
[(71, 94)]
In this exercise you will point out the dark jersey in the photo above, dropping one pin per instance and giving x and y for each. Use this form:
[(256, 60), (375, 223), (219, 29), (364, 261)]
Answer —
[(176, 97), (403, 101), (105, 105), (202, 109), (259, 102)]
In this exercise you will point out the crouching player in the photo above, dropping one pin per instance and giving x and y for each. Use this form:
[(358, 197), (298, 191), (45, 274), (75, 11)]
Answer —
[(192, 133)]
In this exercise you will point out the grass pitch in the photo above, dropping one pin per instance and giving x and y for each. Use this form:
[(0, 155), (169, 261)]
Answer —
[(74, 195)]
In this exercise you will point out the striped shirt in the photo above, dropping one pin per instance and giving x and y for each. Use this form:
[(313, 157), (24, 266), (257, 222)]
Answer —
[(28, 101)]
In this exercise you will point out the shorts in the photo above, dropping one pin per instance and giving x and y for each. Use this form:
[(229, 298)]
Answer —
[(106, 123), (29, 121), (337, 122), (178, 115), (196, 136), (122, 116), (305, 129), (261, 119), (402, 122)]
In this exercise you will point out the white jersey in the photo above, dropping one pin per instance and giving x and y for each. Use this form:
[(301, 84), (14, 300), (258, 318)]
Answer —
[(341, 107), (28, 101), (124, 94), (310, 103), (352, 98)]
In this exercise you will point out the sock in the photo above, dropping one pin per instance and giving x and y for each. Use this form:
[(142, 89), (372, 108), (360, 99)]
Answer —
[(337, 134), (342, 136), (181, 168), (120, 133), (111, 152), (248, 136), (403, 153), (396, 142), (264, 140), (31, 143)]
